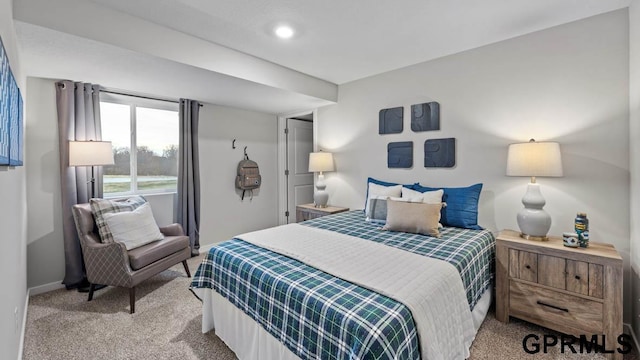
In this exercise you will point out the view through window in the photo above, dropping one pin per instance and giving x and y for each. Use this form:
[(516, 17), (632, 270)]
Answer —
[(145, 146)]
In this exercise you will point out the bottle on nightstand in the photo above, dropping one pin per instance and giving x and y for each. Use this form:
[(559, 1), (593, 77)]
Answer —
[(582, 229)]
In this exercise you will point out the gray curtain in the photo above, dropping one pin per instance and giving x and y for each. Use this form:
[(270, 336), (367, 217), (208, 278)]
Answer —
[(188, 209), (78, 119)]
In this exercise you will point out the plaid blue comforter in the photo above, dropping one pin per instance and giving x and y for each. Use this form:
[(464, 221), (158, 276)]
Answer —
[(319, 316)]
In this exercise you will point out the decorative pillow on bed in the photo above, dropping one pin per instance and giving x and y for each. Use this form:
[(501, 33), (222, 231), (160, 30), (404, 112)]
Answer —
[(377, 212), (371, 180), (99, 207), (462, 205), (133, 228), (417, 218), (381, 190), (429, 197)]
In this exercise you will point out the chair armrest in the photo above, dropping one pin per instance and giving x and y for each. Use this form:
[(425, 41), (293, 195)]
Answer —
[(107, 264), (172, 230)]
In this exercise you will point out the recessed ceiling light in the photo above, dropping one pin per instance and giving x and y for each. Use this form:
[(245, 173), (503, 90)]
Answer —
[(284, 31)]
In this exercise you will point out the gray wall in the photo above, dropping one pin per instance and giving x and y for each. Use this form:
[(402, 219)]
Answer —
[(45, 249), (13, 209), (568, 84), (223, 215), (634, 153)]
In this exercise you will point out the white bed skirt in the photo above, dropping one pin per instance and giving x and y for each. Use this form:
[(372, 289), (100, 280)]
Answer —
[(249, 340)]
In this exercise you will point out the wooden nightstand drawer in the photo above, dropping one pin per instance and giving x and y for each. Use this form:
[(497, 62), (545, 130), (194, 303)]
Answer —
[(523, 265), (596, 281), (579, 277), (572, 314), (552, 271)]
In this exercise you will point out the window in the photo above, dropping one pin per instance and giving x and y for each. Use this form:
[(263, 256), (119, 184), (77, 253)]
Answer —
[(144, 135)]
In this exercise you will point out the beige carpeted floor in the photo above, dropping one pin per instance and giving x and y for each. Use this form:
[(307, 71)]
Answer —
[(63, 325)]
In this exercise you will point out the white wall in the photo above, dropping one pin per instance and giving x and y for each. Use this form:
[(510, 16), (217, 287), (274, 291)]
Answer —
[(567, 84), (45, 247), (634, 154), (223, 214), (12, 217)]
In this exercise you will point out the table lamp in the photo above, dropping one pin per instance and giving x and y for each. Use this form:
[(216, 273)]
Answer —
[(534, 159), (320, 162)]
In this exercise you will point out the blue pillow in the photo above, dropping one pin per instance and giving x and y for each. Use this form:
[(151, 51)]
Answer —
[(462, 205), (384, 183)]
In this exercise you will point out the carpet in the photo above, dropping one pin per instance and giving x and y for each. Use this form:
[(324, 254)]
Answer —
[(63, 325)]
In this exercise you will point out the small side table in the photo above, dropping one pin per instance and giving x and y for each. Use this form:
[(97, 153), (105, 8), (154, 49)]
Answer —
[(310, 211), (572, 290)]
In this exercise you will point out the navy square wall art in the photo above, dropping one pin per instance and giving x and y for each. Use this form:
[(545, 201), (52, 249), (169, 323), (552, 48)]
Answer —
[(390, 121), (400, 154), (425, 117), (440, 153)]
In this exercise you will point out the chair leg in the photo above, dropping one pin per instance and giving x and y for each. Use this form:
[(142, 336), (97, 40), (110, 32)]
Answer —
[(132, 300), (186, 268), (92, 288)]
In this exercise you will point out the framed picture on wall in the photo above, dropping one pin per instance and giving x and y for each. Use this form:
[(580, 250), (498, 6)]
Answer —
[(11, 114), (4, 106)]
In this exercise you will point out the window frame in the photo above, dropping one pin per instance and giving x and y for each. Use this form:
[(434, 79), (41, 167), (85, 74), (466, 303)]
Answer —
[(134, 102)]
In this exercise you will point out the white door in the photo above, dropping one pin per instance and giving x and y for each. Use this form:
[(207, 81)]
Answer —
[(299, 179)]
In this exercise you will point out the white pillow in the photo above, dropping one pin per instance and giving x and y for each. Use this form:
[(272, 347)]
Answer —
[(134, 228), (429, 197), (381, 190)]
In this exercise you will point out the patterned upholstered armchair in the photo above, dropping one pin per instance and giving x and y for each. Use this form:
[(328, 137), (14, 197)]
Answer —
[(112, 264)]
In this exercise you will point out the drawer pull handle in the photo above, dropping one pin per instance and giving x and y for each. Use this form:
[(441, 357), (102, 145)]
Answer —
[(528, 266), (552, 306), (577, 277)]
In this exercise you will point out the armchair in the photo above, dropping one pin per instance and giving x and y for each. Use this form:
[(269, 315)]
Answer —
[(112, 264)]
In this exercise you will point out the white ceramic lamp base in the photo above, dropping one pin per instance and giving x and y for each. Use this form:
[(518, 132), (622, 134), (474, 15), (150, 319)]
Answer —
[(533, 221), (321, 197)]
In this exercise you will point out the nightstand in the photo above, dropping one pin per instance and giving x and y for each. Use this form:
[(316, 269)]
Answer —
[(577, 291), (309, 211)]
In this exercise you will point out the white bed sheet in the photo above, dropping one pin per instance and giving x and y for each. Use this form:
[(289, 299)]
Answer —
[(248, 340)]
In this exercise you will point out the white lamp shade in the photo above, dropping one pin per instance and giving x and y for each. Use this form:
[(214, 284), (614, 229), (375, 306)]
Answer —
[(534, 159), (320, 161), (90, 153)]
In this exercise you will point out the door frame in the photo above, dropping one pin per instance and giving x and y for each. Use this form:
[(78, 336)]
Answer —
[(282, 159)]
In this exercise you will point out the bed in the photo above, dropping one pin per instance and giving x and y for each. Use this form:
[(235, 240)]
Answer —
[(267, 303)]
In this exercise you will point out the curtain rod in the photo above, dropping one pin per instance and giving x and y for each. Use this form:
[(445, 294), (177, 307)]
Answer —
[(140, 96)]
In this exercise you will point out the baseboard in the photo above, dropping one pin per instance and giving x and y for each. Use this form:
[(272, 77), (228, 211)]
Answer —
[(205, 248), (24, 324), (41, 289), (633, 335)]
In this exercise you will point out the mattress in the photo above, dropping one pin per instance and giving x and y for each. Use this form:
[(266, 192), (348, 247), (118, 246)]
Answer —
[(317, 315)]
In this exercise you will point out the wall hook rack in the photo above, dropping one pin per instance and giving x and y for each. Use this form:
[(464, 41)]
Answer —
[(245, 153), (233, 144)]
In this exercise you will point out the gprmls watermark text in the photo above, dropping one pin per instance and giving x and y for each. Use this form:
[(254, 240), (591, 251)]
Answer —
[(584, 344)]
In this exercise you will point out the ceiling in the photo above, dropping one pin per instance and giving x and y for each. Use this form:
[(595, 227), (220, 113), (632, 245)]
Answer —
[(336, 41), (341, 41)]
